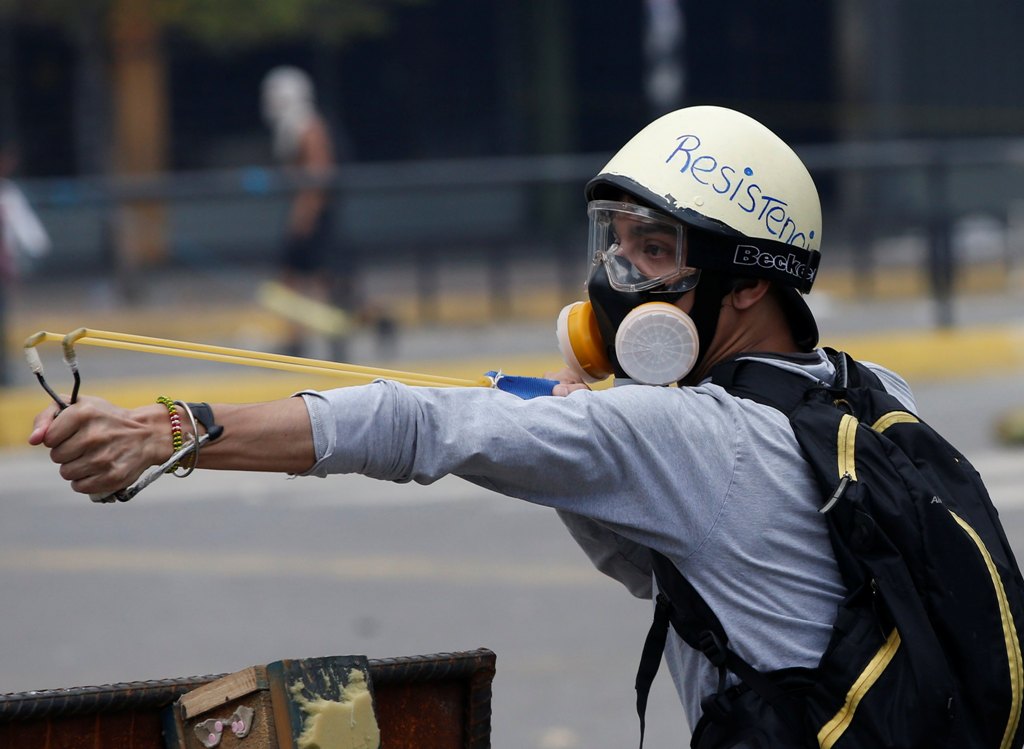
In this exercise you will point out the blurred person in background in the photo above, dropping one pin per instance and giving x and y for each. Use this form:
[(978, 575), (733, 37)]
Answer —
[(302, 143), (22, 239), (22, 236)]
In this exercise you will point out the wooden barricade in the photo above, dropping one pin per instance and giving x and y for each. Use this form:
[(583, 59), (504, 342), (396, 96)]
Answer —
[(440, 701)]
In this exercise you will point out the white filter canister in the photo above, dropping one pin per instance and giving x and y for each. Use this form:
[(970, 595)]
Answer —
[(657, 344)]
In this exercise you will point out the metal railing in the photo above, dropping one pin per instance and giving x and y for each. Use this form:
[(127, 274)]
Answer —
[(420, 215)]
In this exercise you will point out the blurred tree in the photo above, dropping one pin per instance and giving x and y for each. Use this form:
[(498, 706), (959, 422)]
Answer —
[(121, 100), (127, 34), (246, 22)]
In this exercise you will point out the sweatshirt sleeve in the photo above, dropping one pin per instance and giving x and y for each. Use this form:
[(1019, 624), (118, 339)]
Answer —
[(635, 460), (612, 554)]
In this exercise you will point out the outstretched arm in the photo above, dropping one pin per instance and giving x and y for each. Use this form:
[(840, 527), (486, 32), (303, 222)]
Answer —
[(102, 448)]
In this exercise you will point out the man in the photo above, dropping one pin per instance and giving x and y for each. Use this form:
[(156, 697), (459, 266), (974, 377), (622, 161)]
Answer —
[(704, 230), (23, 238), (303, 144)]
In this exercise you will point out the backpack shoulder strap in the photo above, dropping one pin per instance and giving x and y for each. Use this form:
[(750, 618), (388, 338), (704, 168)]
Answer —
[(679, 604), (850, 372), (700, 628), (773, 386), (761, 382)]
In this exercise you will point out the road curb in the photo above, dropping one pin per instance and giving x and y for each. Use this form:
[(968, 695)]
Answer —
[(524, 303)]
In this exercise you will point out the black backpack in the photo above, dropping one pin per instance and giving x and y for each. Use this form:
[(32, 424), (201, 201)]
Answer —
[(926, 647)]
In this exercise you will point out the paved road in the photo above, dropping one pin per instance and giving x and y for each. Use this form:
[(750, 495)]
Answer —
[(236, 570), (222, 571), (233, 570)]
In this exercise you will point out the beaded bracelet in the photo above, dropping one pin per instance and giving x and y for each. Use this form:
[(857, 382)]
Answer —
[(177, 439)]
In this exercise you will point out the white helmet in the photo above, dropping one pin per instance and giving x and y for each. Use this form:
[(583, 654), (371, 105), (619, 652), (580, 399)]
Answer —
[(724, 173)]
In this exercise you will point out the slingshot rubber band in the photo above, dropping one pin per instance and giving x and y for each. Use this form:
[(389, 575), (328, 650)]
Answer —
[(223, 354)]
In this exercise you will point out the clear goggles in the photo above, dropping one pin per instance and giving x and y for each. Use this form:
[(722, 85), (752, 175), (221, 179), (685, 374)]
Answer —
[(640, 248)]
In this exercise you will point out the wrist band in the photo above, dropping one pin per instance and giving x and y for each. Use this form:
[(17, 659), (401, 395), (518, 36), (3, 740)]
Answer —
[(177, 440), (204, 415)]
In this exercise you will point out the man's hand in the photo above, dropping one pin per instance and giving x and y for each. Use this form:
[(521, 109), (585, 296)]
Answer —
[(100, 447), (569, 382)]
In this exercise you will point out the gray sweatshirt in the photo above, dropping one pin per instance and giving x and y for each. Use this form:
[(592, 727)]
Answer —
[(714, 482)]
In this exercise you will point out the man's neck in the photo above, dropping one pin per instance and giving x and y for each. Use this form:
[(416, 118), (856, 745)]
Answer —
[(746, 331)]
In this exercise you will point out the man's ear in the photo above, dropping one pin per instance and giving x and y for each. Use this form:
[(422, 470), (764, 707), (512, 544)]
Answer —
[(746, 292)]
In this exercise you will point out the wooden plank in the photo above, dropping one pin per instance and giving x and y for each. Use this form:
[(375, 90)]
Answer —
[(225, 689)]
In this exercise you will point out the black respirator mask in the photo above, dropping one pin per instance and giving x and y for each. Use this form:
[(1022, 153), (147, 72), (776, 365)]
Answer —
[(631, 327)]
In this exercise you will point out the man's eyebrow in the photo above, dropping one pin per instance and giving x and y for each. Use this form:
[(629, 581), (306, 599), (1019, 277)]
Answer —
[(645, 229)]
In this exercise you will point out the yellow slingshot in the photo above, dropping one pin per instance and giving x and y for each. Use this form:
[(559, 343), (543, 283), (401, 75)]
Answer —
[(349, 374)]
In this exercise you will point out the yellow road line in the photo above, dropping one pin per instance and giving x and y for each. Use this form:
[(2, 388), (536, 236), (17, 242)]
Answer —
[(454, 306), (933, 355)]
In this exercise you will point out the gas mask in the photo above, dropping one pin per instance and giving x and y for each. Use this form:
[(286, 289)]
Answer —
[(631, 327)]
